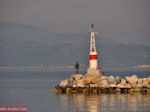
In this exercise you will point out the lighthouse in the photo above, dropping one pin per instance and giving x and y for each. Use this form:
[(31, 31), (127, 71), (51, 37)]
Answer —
[(93, 53), (93, 71)]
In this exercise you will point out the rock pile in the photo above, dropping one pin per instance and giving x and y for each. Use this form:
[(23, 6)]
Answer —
[(73, 81), (103, 84), (79, 80)]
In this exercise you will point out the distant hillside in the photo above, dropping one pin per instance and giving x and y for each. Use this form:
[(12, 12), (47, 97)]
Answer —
[(22, 45), (10, 30)]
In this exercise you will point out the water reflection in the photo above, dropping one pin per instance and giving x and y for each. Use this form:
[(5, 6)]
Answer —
[(105, 102)]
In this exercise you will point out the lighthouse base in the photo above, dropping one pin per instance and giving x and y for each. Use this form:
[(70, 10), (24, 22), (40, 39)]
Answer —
[(92, 74)]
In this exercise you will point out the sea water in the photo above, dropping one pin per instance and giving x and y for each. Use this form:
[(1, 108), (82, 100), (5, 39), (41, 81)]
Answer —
[(35, 90)]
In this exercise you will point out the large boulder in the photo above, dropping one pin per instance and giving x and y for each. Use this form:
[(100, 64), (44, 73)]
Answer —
[(120, 86), (144, 79), (87, 80), (94, 85), (140, 80), (138, 85), (113, 85), (103, 78), (80, 83), (123, 82), (134, 76), (127, 85), (144, 84), (73, 80), (78, 76), (127, 78), (133, 80), (63, 83), (72, 76), (104, 84), (148, 80), (70, 82), (148, 86), (118, 79), (111, 80), (74, 85)]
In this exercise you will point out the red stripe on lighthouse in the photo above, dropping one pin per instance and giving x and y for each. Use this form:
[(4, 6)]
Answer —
[(93, 57)]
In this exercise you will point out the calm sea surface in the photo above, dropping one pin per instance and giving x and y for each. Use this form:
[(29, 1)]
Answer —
[(35, 90)]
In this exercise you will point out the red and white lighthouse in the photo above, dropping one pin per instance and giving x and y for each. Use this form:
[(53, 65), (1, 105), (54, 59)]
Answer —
[(93, 53)]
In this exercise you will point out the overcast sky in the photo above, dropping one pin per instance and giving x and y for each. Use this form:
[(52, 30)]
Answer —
[(124, 20)]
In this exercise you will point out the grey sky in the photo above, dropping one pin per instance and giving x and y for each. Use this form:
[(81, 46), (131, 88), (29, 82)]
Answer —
[(122, 20)]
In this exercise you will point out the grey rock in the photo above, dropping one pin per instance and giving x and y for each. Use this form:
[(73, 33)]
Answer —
[(140, 80), (113, 85), (132, 80), (103, 77), (118, 79), (128, 85), (144, 84), (123, 82), (94, 85), (148, 86), (111, 80), (138, 85), (80, 83), (104, 83), (63, 83), (134, 76), (120, 86), (78, 76)]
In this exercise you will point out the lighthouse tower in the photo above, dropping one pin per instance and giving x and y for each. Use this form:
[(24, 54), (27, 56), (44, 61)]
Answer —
[(93, 53)]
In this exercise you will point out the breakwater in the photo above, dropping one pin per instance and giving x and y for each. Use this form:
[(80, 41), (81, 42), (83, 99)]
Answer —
[(78, 83), (98, 90)]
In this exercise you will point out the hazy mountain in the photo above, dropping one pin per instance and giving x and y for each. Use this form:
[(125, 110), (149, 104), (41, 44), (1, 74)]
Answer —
[(27, 32), (22, 45)]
